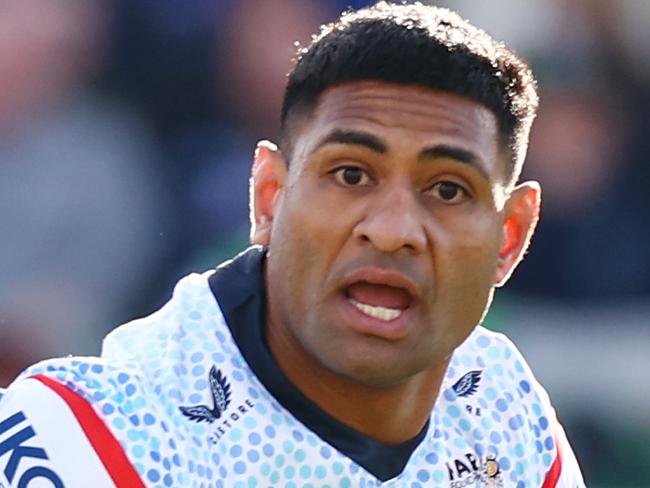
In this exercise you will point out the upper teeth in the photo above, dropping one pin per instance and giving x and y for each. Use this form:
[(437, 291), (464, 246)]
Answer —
[(381, 313)]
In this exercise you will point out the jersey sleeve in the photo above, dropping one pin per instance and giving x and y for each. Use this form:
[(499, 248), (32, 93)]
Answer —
[(52, 433), (567, 474), (564, 471)]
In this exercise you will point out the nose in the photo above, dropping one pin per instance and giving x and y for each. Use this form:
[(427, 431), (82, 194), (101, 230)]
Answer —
[(394, 221)]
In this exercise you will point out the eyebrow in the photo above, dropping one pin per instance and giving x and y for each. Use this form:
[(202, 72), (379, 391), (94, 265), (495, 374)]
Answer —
[(443, 151), (356, 138), (372, 142)]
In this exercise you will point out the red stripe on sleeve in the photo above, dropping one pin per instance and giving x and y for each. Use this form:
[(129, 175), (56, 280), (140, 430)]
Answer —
[(105, 444), (553, 475)]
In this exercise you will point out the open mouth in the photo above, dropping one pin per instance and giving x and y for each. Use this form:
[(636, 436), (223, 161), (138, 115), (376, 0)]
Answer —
[(380, 301), (377, 312)]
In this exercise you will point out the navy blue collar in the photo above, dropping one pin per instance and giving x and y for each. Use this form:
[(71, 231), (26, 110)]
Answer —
[(239, 288)]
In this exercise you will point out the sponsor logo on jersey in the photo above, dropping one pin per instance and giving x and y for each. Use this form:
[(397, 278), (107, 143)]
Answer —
[(221, 393), (15, 432), (220, 389), (470, 470), (466, 386)]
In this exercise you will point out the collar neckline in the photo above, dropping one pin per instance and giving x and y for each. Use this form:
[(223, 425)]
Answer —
[(238, 286)]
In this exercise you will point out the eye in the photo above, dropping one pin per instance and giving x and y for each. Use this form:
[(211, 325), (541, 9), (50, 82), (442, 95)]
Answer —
[(448, 192), (351, 176)]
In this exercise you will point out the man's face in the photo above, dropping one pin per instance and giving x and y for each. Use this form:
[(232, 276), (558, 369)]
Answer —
[(385, 234)]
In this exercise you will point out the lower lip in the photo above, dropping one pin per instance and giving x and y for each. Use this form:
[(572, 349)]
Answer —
[(391, 330)]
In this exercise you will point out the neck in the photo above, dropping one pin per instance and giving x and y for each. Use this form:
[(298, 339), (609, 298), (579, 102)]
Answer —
[(389, 415)]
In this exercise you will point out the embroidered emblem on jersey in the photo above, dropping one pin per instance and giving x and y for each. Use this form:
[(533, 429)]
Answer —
[(468, 384), (491, 475), (470, 470), (220, 389), (492, 469)]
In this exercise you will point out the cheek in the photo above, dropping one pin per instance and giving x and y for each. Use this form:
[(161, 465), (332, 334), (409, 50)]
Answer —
[(473, 234), (303, 227), (471, 278), (301, 243), (319, 222), (465, 277), (467, 253)]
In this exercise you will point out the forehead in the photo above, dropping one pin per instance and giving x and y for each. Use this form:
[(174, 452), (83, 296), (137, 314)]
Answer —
[(405, 117)]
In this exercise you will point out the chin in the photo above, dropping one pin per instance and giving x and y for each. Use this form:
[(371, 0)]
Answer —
[(378, 372)]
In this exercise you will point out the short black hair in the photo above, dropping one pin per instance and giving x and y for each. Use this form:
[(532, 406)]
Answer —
[(416, 45)]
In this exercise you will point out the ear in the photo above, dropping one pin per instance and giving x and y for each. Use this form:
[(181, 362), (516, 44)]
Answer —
[(521, 213), (266, 184)]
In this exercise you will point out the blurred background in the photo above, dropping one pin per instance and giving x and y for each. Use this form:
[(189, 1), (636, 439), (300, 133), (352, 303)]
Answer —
[(127, 129)]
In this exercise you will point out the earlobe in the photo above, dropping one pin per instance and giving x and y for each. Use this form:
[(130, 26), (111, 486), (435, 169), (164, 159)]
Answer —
[(266, 183), (520, 219)]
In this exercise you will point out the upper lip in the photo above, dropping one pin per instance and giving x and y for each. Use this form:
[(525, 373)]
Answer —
[(382, 276)]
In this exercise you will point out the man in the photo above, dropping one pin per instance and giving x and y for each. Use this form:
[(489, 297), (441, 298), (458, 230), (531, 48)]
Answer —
[(343, 349)]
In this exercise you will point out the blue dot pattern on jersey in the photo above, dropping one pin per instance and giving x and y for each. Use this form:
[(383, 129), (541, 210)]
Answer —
[(153, 365)]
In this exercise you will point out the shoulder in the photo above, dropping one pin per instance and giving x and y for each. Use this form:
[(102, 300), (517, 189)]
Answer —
[(139, 357), (191, 311), (505, 390), (491, 388), (502, 364), (117, 408), (54, 404)]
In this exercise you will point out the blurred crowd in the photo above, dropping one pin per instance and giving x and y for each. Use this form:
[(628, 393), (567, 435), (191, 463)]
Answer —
[(127, 129)]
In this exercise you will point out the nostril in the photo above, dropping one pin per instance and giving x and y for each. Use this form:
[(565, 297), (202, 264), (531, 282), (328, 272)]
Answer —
[(392, 230)]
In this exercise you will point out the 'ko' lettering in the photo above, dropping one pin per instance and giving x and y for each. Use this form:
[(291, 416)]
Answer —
[(18, 451)]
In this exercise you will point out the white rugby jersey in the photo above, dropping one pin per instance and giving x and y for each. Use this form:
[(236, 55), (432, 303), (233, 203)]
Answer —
[(190, 396)]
